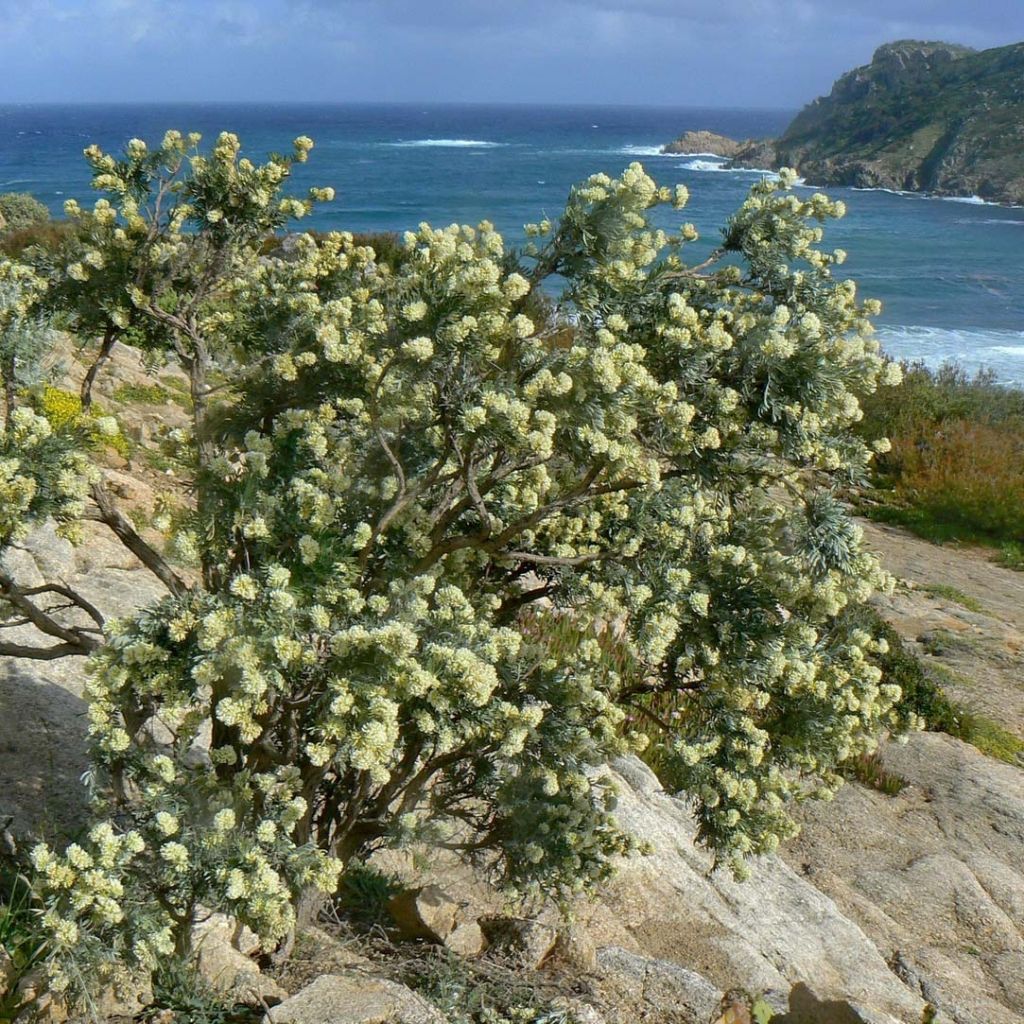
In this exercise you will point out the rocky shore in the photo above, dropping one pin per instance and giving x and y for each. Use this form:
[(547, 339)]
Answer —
[(935, 118)]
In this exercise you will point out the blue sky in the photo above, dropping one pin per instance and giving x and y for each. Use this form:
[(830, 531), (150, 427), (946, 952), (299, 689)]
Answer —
[(771, 53)]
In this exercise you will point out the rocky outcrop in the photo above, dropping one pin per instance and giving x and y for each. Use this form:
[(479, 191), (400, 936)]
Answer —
[(703, 142), (934, 876), (927, 117), (770, 933), (353, 998), (922, 116)]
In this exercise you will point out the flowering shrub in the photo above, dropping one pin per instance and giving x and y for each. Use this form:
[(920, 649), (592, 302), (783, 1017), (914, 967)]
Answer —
[(408, 491)]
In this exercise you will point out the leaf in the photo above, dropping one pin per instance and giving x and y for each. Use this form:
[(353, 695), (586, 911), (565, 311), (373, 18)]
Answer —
[(761, 1011)]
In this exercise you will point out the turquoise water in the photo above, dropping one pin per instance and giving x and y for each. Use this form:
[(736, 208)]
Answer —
[(950, 273)]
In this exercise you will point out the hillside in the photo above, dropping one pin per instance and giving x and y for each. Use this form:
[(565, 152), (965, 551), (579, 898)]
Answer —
[(922, 116)]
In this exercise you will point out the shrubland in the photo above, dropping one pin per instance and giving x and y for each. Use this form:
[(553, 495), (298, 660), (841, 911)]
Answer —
[(956, 468), (449, 546)]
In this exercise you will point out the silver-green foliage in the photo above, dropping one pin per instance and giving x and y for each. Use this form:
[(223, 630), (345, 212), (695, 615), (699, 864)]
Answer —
[(410, 482)]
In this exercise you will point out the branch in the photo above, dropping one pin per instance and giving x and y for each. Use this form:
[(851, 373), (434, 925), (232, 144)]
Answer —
[(106, 347), (67, 650), (75, 641), (75, 600), (526, 556), (109, 514)]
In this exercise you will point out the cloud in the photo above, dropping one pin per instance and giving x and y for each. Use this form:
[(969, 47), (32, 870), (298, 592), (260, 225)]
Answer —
[(722, 52)]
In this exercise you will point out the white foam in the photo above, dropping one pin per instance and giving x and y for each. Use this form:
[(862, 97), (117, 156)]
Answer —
[(972, 200), (647, 151), (446, 143), (968, 200), (891, 191), (705, 165), (973, 347), (719, 166)]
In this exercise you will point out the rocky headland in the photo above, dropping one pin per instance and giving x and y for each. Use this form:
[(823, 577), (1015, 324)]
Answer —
[(926, 117)]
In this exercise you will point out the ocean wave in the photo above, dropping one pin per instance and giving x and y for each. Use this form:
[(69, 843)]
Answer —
[(719, 166), (966, 200), (1001, 350), (1018, 222), (445, 143), (631, 150), (891, 191)]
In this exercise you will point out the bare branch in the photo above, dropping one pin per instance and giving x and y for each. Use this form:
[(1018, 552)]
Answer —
[(75, 641), (527, 556), (109, 514)]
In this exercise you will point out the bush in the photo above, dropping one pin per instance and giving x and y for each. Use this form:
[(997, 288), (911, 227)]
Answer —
[(956, 468), (20, 210), (448, 555)]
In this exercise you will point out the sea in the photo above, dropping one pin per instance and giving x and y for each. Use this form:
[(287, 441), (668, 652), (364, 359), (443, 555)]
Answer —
[(949, 272)]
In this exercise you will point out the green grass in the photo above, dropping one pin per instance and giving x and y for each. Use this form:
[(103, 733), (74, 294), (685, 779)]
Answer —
[(147, 394), (990, 738), (885, 507), (20, 936), (363, 895), (179, 988), (869, 771), (949, 593)]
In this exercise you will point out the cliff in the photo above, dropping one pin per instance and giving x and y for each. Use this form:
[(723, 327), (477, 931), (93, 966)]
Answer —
[(928, 117), (922, 116)]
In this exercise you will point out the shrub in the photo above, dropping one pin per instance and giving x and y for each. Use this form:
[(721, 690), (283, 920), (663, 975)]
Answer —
[(413, 501), (20, 210), (956, 468)]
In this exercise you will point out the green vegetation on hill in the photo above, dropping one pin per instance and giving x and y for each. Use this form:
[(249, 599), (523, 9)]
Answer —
[(932, 117), (922, 116)]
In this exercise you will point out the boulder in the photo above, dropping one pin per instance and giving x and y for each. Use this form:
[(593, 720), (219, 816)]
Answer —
[(575, 948), (47, 1007), (222, 928), (529, 942), (934, 875), (233, 975), (467, 939), (427, 913), (702, 142), (642, 988), (772, 931), (353, 998), (125, 996)]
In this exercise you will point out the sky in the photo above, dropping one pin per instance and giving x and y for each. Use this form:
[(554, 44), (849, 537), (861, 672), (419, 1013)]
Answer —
[(718, 53)]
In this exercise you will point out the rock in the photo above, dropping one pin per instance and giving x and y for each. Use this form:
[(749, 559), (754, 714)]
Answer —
[(467, 939), (703, 142), (48, 1007), (934, 874), (427, 913), (124, 997), (353, 998), (8, 972), (135, 492), (923, 116), (655, 990), (755, 154), (232, 974), (575, 948), (228, 930), (770, 932), (578, 1012), (528, 941)]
